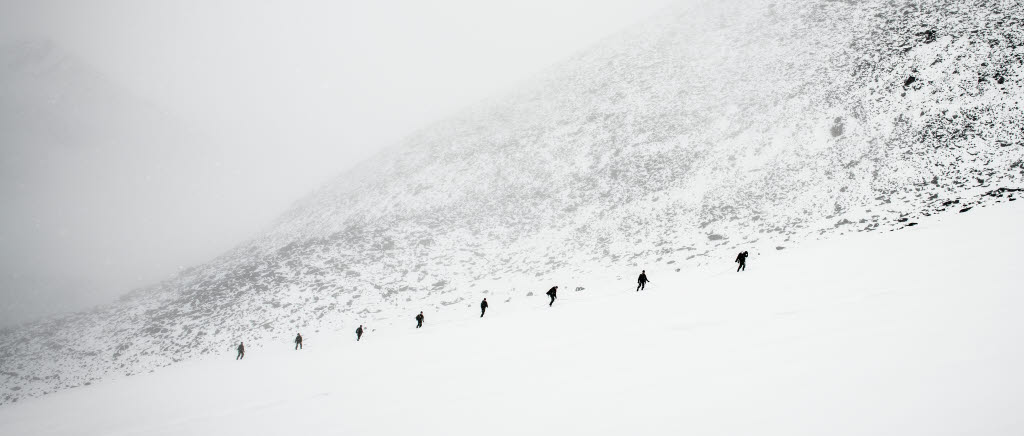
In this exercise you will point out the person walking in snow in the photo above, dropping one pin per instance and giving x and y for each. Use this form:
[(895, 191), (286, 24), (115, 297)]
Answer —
[(483, 307), (298, 341), (419, 320), (742, 260), (553, 293), (241, 351), (359, 332), (642, 280)]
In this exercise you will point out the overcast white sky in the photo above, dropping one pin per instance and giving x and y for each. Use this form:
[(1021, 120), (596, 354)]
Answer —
[(293, 92)]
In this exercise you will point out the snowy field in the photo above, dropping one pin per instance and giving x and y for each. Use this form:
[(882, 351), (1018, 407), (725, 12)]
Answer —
[(915, 332)]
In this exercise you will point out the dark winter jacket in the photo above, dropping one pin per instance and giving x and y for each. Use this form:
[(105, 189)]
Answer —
[(742, 257), (553, 291), (483, 304), (419, 317), (359, 331), (298, 339), (642, 278)]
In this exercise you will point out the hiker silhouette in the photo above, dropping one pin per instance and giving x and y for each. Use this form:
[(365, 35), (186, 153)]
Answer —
[(641, 281)]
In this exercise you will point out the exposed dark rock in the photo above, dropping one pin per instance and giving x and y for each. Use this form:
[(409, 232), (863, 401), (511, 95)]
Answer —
[(837, 127)]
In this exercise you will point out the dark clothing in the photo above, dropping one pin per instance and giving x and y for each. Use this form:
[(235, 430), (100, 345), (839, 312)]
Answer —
[(241, 352), (359, 333), (483, 308), (641, 281), (742, 260), (553, 293), (419, 320), (298, 342)]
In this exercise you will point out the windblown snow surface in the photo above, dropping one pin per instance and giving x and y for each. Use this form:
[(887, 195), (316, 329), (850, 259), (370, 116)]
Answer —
[(714, 128), (916, 332)]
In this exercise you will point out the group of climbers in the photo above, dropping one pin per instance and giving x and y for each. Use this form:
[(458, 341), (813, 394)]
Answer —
[(641, 281)]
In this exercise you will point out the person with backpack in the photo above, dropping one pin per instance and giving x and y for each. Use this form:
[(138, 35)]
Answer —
[(742, 260), (298, 341), (642, 280), (359, 332), (419, 320), (553, 293), (483, 307), (241, 351)]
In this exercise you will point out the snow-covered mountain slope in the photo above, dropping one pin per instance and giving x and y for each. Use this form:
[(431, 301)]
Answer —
[(716, 127), (910, 333)]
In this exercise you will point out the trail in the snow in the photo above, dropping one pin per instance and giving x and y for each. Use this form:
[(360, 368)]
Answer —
[(912, 333)]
